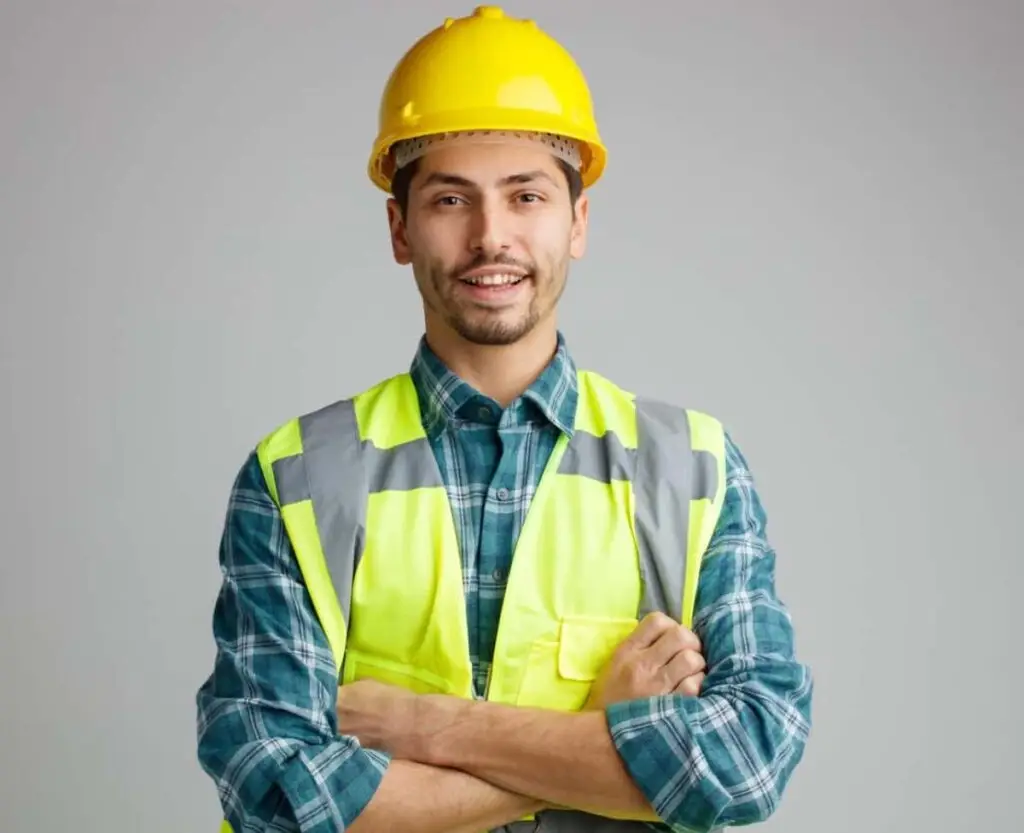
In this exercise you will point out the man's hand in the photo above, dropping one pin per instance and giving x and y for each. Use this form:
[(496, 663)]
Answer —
[(659, 657)]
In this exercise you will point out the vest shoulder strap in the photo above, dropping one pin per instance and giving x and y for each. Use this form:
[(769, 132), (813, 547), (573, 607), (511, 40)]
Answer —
[(320, 468), (678, 474), (313, 467)]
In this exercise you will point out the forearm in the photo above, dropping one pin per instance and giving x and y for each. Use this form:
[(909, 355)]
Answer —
[(427, 799), (565, 760), (724, 759)]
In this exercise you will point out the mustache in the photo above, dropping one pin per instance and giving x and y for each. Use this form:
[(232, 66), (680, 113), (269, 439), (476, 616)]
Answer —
[(483, 260)]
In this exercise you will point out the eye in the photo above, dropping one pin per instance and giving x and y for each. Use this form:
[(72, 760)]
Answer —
[(448, 200), (530, 198)]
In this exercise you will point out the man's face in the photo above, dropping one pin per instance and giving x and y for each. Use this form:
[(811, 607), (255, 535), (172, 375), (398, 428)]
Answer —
[(489, 233)]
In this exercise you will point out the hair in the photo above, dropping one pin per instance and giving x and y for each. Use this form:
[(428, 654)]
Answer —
[(402, 179)]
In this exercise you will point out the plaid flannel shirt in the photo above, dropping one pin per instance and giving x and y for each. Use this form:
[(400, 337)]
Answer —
[(267, 728)]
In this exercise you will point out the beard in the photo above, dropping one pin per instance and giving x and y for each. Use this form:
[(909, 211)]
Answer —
[(492, 333), (479, 325)]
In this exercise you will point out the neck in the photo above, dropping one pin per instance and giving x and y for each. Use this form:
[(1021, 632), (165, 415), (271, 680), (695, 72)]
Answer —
[(502, 372)]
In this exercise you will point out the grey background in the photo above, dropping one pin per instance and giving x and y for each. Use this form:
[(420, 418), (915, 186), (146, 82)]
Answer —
[(810, 226)]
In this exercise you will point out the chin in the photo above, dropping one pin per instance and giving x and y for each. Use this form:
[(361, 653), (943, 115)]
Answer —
[(495, 335)]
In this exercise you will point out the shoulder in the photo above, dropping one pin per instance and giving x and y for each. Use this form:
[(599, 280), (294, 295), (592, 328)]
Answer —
[(602, 389), (743, 512), (664, 419), (324, 424), (283, 437)]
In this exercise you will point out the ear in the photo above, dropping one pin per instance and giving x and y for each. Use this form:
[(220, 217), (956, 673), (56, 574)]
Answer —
[(578, 237), (399, 240)]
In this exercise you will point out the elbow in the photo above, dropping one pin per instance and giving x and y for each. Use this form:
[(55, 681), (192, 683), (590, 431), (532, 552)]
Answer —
[(245, 768), (723, 759), (719, 799), (744, 780), (286, 776), (757, 799)]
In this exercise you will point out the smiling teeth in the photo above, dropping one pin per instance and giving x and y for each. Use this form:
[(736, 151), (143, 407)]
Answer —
[(494, 280)]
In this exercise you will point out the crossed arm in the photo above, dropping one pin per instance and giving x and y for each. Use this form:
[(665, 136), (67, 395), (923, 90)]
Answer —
[(269, 730), (558, 759), (415, 796), (563, 760)]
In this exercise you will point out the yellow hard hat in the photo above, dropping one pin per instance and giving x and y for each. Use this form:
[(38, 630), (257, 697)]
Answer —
[(481, 73)]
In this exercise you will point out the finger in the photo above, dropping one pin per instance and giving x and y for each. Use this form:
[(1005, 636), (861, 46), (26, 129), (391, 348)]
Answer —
[(691, 686), (688, 639), (670, 643), (684, 664), (693, 641), (652, 626), (665, 648)]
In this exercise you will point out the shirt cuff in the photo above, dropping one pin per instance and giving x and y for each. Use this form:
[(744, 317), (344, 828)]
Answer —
[(329, 789), (663, 763)]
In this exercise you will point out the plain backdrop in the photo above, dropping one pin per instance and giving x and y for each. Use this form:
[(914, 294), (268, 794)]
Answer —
[(810, 226)]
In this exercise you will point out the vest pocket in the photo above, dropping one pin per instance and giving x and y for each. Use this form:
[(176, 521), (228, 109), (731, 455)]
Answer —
[(360, 666), (558, 674)]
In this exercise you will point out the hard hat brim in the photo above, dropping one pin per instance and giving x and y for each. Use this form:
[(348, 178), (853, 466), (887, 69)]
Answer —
[(592, 150)]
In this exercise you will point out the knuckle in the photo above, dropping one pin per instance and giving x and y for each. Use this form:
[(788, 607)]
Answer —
[(692, 685), (695, 662), (689, 637)]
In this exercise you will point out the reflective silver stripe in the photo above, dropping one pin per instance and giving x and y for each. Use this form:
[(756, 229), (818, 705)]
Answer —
[(403, 468), (663, 485), (606, 460), (329, 473), (290, 476), (600, 458)]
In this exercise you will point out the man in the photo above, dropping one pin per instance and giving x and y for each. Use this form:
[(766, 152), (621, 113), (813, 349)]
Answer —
[(487, 592)]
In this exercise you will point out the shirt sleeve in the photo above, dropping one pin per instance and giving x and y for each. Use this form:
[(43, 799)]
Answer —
[(266, 719), (724, 758)]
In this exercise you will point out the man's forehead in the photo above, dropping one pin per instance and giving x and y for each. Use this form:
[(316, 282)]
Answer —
[(487, 163), (488, 154)]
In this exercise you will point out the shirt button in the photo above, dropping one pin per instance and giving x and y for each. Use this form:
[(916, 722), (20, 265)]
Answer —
[(498, 574), (502, 493), (485, 413)]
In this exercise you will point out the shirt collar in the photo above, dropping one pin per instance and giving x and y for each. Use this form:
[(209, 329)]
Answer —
[(444, 397)]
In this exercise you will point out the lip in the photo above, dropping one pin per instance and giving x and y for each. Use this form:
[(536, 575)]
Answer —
[(485, 271), (494, 295)]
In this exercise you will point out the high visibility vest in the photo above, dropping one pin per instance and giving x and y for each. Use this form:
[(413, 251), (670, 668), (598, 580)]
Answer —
[(617, 528)]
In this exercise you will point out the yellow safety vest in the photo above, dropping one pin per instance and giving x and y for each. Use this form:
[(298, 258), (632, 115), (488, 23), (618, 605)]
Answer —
[(621, 518)]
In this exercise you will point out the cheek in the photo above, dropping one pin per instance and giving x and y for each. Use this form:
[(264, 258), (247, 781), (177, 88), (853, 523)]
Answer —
[(445, 244), (551, 255)]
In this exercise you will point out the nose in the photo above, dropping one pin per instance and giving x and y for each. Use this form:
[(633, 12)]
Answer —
[(490, 233)]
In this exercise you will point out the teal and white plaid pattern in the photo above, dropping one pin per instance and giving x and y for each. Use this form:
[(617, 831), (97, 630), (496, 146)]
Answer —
[(491, 461), (267, 730)]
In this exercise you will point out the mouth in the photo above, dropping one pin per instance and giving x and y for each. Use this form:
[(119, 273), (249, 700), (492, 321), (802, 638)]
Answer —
[(497, 281), (498, 289)]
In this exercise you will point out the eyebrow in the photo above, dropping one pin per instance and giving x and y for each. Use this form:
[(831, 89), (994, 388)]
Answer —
[(442, 178)]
